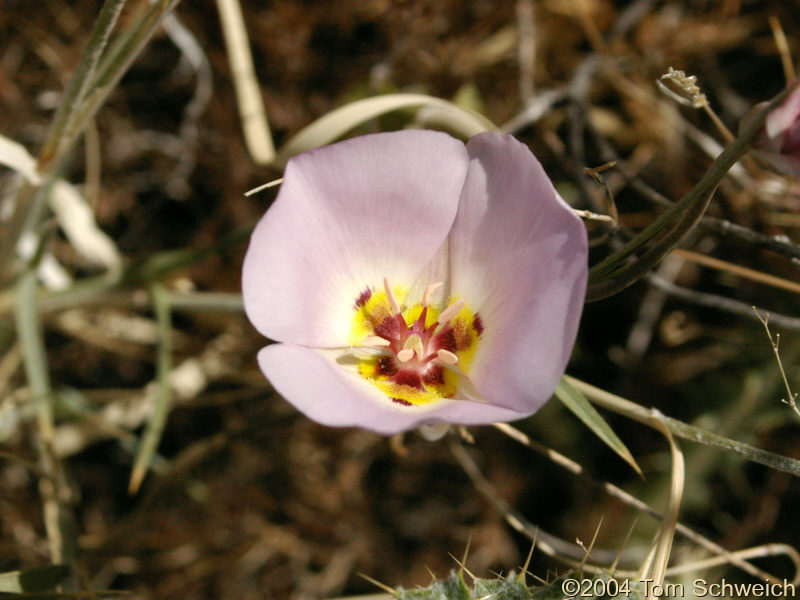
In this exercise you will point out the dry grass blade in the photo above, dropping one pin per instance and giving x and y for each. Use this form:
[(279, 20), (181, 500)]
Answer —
[(724, 556), (336, 123), (549, 544), (670, 520), (248, 95), (70, 207), (744, 272)]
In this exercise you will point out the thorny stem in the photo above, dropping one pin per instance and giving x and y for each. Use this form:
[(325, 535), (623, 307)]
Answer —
[(774, 342), (628, 499)]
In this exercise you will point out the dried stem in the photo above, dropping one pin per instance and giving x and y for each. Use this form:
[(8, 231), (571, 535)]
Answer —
[(783, 48), (775, 342)]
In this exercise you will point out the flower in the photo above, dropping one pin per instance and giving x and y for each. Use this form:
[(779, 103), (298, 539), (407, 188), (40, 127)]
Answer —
[(778, 143), (412, 280)]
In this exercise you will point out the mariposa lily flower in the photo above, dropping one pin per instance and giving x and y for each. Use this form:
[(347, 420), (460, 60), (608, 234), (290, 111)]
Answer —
[(411, 280), (778, 143)]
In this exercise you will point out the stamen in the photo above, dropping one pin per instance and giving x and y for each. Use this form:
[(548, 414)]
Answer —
[(446, 356), (405, 355), (451, 311), (412, 357), (426, 297), (367, 352), (390, 297)]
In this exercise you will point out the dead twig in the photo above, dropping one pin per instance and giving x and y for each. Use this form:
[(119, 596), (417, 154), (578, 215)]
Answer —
[(774, 342)]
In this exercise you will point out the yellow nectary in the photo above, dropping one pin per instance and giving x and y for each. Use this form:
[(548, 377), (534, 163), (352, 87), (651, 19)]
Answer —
[(415, 355)]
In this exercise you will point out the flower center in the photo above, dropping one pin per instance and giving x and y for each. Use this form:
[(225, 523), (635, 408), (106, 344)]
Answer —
[(418, 354)]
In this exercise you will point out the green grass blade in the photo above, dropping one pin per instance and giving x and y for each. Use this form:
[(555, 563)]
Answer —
[(163, 392), (58, 517), (80, 81), (575, 401), (684, 430)]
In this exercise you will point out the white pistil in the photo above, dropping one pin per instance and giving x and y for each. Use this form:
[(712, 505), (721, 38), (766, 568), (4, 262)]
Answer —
[(446, 356), (405, 355), (451, 311), (374, 340), (426, 297), (390, 297), (414, 343)]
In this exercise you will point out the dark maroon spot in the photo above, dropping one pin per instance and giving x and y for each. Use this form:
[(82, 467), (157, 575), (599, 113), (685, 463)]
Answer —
[(386, 366), (445, 340), (477, 324), (434, 375), (401, 401), (389, 328), (363, 298), (407, 377)]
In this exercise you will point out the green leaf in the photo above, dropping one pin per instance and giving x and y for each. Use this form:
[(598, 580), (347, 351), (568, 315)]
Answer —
[(683, 430), (615, 272), (581, 408)]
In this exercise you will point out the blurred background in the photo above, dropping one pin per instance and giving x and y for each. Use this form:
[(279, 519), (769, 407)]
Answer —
[(248, 499)]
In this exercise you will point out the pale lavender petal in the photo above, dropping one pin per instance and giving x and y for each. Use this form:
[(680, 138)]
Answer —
[(762, 141), (791, 140), (519, 258), (347, 216), (778, 143), (331, 395), (788, 164), (784, 116)]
